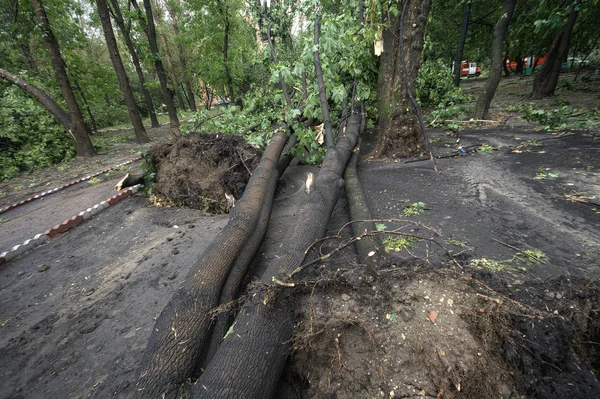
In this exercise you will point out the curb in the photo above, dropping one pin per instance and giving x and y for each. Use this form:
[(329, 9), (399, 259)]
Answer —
[(54, 190), (65, 226)]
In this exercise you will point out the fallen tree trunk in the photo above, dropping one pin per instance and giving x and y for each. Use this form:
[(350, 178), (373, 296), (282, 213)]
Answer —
[(250, 359), (366, 248), (240, 269), (181, 334)]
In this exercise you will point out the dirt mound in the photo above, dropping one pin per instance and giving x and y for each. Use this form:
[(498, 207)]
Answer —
[(416, 332), (199, 170)]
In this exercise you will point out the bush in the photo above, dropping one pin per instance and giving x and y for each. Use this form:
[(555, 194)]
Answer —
[(30, 138), (435, 86)]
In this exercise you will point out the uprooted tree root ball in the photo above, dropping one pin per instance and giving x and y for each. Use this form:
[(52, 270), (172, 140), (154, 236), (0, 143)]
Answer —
[(199, 170), (439, 334)]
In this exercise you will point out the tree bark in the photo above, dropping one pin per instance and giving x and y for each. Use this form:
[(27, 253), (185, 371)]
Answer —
[(544, 83), (322, 91), (485, 99), (26, 50), (399, 132), (115, 57), (183, 60), (47, 102), (118, 17), (78, 128), (147, 23), (461, 43), (250, 360), (223, 9), (87, 106), (520, 65), (182, 332)]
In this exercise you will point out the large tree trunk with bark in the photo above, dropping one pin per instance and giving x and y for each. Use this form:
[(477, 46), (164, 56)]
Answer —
[(461, 43), (147, 24), (181, 335), (47, 102), (544, 83), (78, 128), (399, 132), (485, 98), (250, 360), (115, 57), (126, 32)]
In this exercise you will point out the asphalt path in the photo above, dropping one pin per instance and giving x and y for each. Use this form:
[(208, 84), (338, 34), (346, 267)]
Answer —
[(25, 221)]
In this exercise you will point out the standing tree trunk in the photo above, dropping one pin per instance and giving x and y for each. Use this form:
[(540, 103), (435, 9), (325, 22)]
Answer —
[(485, 99), (399, 132), (29, 57), (322, 92), (147, 24), (461, 43), (173, 9), (78, 128), (520, 65), (87, 107), (545, 81), (115, 57), (223, 9), (504, 67), (118, 17)]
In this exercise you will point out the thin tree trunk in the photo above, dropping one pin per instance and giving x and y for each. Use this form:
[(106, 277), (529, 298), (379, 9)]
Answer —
[(399, 133), (504, 67), (182, 59), (322, 91), (485, 99), (125, 32), (209, 96), (115, 57), (87, 107), (520, 65), (223, 9), (147, 24), (29, 57), (461, 43), (47, 102), (286, 95), (544, 83), (78, 128)]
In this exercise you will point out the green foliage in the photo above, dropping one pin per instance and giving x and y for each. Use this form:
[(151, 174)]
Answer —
[(415, 209), (543, 174), (29, 137), (262, 109), (557, 119), (485, 148), (380, 226), (401, 243), (435, 86)]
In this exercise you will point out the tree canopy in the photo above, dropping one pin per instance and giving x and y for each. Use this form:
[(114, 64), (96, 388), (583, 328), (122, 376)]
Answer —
[(257, 55)]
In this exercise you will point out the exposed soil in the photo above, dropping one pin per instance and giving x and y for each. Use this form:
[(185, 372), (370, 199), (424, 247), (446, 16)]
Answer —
[(199, 170), (462, 314)]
